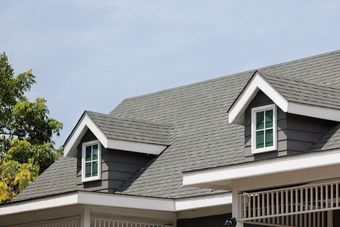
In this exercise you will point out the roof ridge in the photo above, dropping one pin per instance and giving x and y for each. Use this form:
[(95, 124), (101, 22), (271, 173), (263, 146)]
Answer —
[(301, 59), (192, 84), (234, 75)]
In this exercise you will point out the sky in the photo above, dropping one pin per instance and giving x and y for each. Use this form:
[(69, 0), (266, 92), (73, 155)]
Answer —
[(90, 54)]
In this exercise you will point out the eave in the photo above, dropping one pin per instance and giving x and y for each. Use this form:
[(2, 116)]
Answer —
[(223, 177), (115, 200)]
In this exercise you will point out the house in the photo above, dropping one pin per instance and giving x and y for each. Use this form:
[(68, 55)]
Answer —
[(261, 146)]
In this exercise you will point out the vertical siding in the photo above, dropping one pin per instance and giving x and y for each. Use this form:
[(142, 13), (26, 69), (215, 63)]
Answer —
[(117, 167)]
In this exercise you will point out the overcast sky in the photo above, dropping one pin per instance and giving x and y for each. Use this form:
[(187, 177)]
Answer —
[(90, 55)]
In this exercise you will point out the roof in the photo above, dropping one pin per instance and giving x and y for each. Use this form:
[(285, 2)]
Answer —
[(132, 129), (202, 137), (59, 178), (300, 91)]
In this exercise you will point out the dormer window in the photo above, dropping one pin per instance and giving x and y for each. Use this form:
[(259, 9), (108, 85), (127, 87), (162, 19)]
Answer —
[(91, 161), (264, 129)]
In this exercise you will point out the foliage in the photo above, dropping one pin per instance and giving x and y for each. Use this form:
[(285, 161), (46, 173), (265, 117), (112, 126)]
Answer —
[(26, 131)]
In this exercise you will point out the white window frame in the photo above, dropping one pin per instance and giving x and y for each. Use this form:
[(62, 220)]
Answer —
[(253, 129), (83, 156)]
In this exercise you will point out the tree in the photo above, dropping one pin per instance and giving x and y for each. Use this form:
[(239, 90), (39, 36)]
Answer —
[(26, 131)]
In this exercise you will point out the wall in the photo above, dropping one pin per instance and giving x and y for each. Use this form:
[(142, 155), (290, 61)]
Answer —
[(295, 133), (117, 167)]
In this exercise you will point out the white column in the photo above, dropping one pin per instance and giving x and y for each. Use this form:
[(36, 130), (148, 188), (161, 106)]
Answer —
[(330, 218), (85, 217), (235, 208)]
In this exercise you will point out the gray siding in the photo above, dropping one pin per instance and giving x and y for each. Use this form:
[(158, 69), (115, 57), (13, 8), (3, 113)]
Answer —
[(117, 167), (295, 133), (209, 221)]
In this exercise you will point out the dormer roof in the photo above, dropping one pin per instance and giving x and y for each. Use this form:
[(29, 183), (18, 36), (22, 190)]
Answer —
[(291, 95), (121, 134)]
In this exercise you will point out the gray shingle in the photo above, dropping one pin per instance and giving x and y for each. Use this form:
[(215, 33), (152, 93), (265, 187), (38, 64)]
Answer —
[(59, 178), (132, 129), (202, 137), (299, 91)]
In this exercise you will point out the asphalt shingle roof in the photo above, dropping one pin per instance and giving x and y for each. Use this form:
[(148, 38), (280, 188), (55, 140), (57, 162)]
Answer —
[(59, 178), (132, 129), (299, 91), (202, 137)]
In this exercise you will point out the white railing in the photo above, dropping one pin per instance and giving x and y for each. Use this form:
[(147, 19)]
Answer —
[(318, 219), (107, 222), (65, 222), (305, 201)]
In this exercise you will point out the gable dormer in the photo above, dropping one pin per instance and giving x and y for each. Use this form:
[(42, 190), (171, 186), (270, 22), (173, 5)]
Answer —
[(111, 150), (282, 115)]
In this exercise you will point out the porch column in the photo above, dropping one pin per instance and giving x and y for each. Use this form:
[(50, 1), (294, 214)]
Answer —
[(235, 207), (85, 217), (330, 218)]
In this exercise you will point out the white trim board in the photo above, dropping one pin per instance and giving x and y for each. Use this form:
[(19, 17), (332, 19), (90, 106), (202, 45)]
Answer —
[(203, 201), (258, 83), (125, 201), (121, 201), (225, 175), (39, 204), (86, 123)]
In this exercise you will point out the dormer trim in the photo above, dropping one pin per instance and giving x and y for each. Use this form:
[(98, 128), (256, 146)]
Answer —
[(86, 123), (257, 83)]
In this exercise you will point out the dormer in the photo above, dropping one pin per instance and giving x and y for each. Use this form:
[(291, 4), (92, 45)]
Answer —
[(283, 115), (110, 149)]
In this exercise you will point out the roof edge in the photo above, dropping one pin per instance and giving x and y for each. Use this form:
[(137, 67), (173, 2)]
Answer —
[(256, 83), (224, 175), (115, 200)]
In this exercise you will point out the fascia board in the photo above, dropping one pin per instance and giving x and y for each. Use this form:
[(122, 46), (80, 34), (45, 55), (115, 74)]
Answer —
[(225, 175), (120, 201), (79, 132), (203, 201), (40, 204), (314, 111), (257, 83)]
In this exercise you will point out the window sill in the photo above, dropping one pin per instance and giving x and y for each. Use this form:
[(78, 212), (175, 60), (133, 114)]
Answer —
[(89, 179), (263, 150)]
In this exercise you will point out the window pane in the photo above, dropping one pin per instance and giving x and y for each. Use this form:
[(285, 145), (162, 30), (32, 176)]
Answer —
[(95, 152), (260, 139), (94, 169), (88, 170), (88, 153), (260, 120), (269, 118), (269, 138)]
